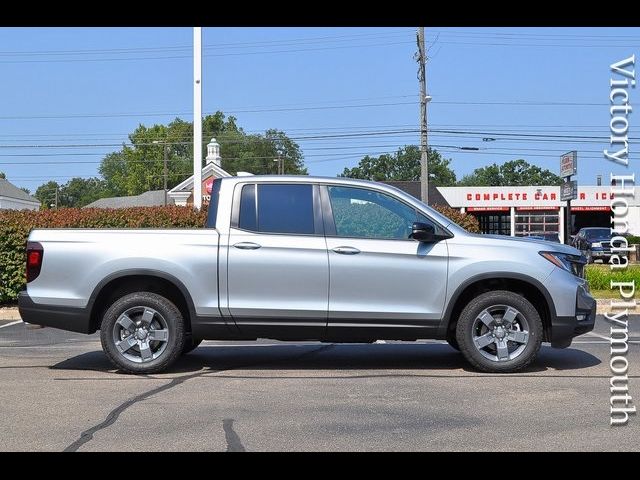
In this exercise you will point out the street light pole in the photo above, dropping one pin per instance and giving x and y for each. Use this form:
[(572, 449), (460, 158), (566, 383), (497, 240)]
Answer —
[(197, 117)]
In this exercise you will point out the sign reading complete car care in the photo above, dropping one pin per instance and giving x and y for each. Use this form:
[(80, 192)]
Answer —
[(569, 190), (569, 164)]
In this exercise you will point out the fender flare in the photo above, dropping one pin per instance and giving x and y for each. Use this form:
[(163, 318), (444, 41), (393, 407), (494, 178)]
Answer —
[(446, 319)]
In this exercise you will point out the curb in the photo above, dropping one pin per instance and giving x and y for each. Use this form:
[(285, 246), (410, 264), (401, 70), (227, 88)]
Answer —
[(9, 313)]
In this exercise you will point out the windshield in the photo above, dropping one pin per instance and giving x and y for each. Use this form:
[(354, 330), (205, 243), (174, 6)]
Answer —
[(597, 233)]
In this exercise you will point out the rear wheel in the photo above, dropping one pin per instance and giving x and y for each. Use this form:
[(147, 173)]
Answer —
[(499, 331), (142, 332)]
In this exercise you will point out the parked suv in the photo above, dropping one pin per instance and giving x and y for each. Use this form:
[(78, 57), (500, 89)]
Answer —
[(594, 243), (308, 258)]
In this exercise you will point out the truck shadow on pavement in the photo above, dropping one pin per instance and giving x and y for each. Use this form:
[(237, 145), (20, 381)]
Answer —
[(337, 357)]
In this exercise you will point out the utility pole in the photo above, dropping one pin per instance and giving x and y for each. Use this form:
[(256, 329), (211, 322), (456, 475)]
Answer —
[(166, 171), (424, 156), (279, 165)]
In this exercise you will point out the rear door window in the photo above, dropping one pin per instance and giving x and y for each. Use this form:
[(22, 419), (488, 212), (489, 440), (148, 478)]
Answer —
[(277, 208)]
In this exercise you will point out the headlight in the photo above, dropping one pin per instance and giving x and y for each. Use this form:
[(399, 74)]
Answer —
[(596, 245), (571, 263)]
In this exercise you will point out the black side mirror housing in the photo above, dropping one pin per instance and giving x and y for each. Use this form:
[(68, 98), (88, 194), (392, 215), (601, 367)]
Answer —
[(425, 232)]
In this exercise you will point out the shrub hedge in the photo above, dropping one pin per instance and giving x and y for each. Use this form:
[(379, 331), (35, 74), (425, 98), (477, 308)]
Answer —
[(15, 227), (465, 220)]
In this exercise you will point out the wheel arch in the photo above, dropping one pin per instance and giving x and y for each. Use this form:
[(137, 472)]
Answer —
[(528, 287), (123, 282)]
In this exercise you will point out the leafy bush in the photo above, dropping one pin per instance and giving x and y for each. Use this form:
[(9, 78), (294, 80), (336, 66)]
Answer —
[(599, 276), (465, 220), (633, 239), (15, 227)]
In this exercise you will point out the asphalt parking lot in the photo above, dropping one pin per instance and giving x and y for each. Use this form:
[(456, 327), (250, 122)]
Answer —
[(59, 392)]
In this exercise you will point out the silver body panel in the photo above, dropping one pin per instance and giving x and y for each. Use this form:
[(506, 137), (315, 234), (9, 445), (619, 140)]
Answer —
[(76, 261), (298, 279)]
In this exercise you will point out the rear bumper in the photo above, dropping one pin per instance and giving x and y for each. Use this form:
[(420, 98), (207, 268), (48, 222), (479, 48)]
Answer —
[(65, 318), (564, 329)]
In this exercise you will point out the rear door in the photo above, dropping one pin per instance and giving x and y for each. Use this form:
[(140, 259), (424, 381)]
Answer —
[(380, 279), (278, 270)]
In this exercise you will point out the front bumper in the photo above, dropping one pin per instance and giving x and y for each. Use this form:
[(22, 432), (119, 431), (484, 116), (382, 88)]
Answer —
[(65, 318), (564, 329)]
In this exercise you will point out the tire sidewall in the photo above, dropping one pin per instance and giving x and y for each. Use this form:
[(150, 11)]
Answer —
[(164, 307), (464, 331)]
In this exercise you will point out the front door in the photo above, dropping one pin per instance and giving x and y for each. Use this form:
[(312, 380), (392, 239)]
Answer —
[(380, 279), (278, 272)]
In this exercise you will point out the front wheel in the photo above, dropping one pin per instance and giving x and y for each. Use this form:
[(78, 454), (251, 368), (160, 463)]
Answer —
[(499, 332), (142, 332), (453, 343)]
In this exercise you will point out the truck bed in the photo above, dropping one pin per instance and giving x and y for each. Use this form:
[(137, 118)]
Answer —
[(76, 261)]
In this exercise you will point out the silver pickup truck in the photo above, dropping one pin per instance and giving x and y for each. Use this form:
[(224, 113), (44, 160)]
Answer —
[(308, 258)]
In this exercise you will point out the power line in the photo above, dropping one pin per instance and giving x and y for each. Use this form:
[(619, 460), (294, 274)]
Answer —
[(292, 41), (228, 54)]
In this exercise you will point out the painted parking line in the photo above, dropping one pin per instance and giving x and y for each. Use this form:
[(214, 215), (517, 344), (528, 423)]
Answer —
[(594, 334), (12, 323)]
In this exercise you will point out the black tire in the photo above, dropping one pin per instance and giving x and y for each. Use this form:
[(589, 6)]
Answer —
[(527, 314), (190, 345), (453, 343), (165, 310)]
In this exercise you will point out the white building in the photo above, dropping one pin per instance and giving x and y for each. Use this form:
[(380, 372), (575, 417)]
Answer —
[(518, 211), (12, 198), (182, 194)]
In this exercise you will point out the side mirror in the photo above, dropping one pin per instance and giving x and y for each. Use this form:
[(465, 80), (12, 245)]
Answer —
[(424, 232)]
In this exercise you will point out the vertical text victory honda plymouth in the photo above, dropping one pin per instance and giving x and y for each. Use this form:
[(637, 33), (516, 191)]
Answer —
[(308, 258)]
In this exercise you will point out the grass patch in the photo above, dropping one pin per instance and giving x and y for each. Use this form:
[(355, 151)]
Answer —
[(599, 277)]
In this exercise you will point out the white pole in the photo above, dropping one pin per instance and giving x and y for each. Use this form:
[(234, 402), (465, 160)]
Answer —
[(197, 117)]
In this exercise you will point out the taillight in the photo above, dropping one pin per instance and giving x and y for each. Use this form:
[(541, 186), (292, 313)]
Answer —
[(35, 252)]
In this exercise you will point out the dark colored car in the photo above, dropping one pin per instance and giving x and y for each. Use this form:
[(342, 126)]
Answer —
[(594, 243), (550, 237)]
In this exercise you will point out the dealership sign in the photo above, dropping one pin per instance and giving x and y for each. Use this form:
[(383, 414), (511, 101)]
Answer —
[(569, 190), (569, 164), (526, 196)]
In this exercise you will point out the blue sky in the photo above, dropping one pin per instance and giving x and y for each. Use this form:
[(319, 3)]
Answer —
[(89, 87)]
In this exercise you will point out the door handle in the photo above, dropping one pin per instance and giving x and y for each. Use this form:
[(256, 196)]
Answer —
[(247, 246), (346, 250)]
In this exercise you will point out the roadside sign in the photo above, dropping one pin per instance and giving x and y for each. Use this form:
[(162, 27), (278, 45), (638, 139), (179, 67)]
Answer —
[(569, 190), (569, 164)]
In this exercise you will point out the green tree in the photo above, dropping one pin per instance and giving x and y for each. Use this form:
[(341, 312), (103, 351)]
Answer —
[(25, 190), (46, 193), (2, 175), (512, 173), (77, 192), (403, 165), (138, 167)]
